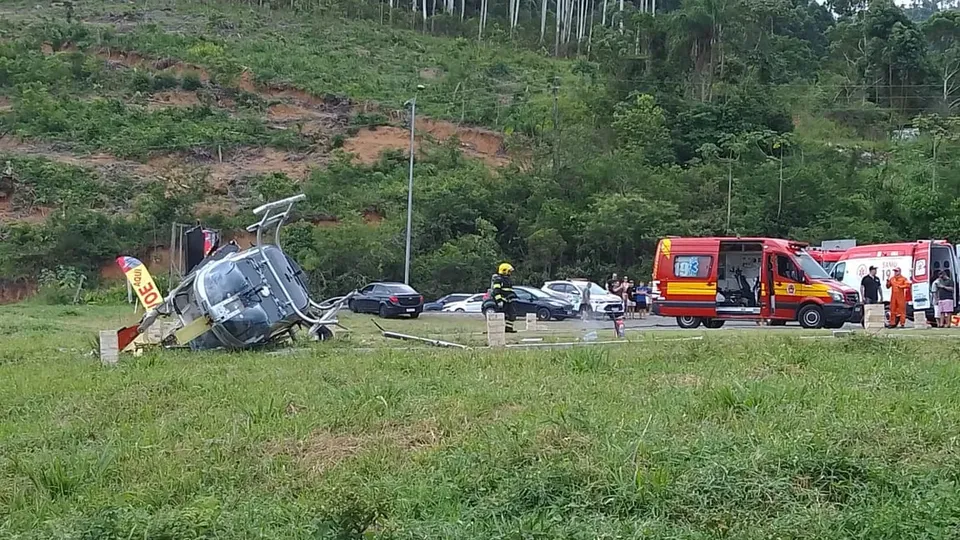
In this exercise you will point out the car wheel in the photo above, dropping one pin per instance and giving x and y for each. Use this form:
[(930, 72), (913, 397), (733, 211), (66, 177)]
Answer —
[(713, 323), (687, 322), (811, 316), (383, 311), (543, 314), (459, 310), (415, 314), (351, 306), (487, 311)]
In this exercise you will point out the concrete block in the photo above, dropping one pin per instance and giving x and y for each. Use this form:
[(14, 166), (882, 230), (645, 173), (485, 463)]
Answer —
[(873, 317), (109, 347), (531, 320), (496, 330)]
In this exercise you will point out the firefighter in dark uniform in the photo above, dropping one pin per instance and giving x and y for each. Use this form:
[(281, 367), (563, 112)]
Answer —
[(503, 295)]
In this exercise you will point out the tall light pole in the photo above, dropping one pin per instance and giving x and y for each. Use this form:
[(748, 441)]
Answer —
[(413, 121)]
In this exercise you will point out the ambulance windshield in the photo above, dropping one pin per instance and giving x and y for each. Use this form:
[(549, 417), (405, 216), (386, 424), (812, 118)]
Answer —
[(810, 266)]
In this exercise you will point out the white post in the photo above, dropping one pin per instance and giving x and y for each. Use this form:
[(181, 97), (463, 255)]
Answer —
[(406, 258)]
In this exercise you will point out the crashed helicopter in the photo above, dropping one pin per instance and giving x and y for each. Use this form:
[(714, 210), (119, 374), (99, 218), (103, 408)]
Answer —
[(233, 298)]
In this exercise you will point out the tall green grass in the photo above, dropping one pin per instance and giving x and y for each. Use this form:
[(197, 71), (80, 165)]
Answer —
[(735, 436)]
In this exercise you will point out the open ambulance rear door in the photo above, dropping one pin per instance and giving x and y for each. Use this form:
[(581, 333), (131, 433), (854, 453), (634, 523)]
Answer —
[(920, 277)]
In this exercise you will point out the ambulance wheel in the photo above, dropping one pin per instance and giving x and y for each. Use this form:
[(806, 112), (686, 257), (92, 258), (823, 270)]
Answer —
[(713, 323), (811, 316), (687, 322)]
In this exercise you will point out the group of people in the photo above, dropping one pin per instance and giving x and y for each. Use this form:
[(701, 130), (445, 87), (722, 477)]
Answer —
[(941, 295), (635, 296)]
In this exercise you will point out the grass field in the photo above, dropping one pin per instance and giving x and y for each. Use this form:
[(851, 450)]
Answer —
[(737, 435)]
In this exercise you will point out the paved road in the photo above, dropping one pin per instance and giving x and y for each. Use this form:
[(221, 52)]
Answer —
[(649, 323)]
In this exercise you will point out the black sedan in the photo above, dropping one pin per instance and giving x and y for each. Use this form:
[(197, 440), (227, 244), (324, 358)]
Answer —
[(533, 300), (387, 300)]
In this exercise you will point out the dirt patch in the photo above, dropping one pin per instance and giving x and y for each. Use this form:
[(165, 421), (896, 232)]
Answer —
[(17, 290), (9, 214), (323, 450), (247, 162), (431, 73), (369, 143), (246, 82), (372, 217), (135, 60), (301, 96), (157, 260), (481, 143), (5, 104), (100, 161), (172, 98), (308, 122)]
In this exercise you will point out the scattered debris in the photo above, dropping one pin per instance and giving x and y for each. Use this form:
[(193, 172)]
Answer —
[(434, 342)]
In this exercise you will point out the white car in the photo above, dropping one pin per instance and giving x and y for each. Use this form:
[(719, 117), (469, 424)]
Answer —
[(573, 290), (472, 304)]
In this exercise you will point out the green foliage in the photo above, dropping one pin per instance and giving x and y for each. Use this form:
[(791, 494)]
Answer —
[(59, 285), (641, 129), (191, 81), (275, 186), (775, 114), (129, 131)]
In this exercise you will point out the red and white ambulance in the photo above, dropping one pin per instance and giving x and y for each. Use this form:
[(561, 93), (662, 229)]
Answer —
[(712, 280), (918, 261)]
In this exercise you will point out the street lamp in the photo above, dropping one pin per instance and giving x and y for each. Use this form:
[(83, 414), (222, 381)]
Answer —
[(413, 115)]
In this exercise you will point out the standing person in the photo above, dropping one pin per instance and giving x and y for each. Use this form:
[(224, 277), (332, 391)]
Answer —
[(899, 287), (504, 295), (640, 297), (626, 294), (586, 308), (870, 287), (934, 298), (613, 283), (945, 288)]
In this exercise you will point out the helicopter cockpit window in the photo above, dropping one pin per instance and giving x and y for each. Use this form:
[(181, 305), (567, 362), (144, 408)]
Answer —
[(250, 325), (224, 281)]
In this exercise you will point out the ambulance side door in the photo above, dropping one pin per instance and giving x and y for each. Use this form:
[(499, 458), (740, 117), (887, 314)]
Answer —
[(920, 272), (787, 286)]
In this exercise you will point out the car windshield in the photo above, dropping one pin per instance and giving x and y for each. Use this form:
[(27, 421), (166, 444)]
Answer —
[(537, 293), (595, 290), (810, 266), (399, 288)]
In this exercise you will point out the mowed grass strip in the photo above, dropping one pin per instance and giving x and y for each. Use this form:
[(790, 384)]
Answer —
[(739, 435)]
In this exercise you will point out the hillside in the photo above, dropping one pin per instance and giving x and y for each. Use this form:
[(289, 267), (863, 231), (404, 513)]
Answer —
[(120, 118)]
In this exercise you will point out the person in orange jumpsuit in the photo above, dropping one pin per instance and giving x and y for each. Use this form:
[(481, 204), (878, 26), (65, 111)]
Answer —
[(899, 287)]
